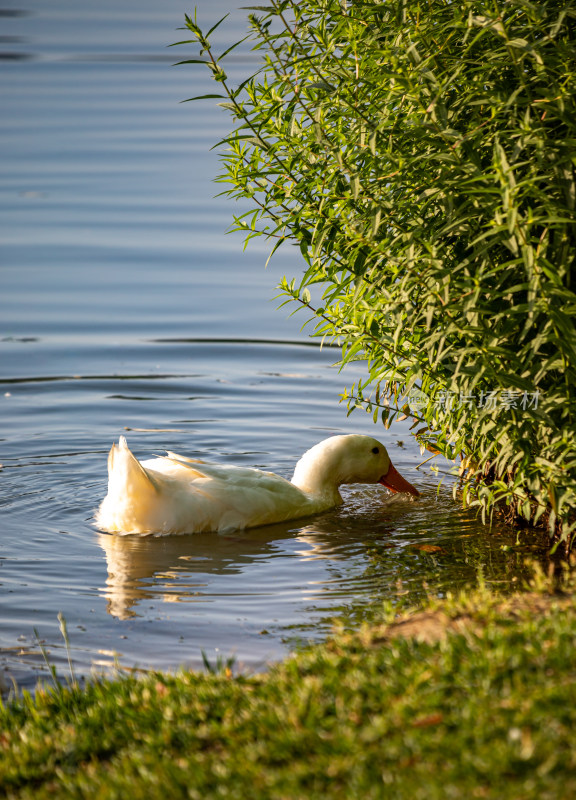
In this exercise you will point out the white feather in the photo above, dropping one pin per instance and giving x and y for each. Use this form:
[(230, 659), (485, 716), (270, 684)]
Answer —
[(176, 494)]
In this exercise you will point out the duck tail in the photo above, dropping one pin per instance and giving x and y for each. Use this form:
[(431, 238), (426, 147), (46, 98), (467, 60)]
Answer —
[(131, 490), (126, 473)]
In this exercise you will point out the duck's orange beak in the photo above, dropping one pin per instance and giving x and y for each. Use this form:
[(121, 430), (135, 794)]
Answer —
[(396, 483)]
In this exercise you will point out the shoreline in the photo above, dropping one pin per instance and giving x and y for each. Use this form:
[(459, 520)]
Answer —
[(469, 696)]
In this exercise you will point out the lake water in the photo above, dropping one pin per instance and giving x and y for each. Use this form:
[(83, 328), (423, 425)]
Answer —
[(125, 309)]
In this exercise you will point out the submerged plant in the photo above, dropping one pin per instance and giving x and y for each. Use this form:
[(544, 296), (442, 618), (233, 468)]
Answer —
[(421, 155)]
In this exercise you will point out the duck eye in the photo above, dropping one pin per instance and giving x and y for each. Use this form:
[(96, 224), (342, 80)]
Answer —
[(375, 450)]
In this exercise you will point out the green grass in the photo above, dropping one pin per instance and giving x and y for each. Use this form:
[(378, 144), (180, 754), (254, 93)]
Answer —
[(486, 710)]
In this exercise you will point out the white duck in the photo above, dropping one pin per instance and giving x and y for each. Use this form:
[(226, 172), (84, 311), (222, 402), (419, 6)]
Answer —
[(175, 494)]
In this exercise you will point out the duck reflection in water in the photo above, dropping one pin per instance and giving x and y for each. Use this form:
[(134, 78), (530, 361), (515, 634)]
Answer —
[(179, 568), (182, 568)]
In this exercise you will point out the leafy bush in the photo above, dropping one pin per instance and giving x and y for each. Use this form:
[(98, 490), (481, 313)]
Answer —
[(422, 157)]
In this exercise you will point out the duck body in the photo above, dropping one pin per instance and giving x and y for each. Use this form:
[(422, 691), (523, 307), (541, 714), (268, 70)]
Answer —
[(175, 494)]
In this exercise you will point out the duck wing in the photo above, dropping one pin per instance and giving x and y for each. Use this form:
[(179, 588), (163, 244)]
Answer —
[(176, 494), (225, 497)]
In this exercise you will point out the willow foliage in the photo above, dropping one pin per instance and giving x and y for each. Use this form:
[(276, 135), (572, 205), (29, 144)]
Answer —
[(422, 155)]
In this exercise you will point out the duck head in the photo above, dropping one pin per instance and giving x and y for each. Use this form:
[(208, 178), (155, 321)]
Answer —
[(352, 458)]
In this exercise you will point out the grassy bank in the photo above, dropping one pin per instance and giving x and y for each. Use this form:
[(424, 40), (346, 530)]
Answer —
[(470, 697)]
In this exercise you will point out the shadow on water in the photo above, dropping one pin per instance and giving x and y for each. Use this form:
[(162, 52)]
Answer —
[(370, 549), (178, 569)]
